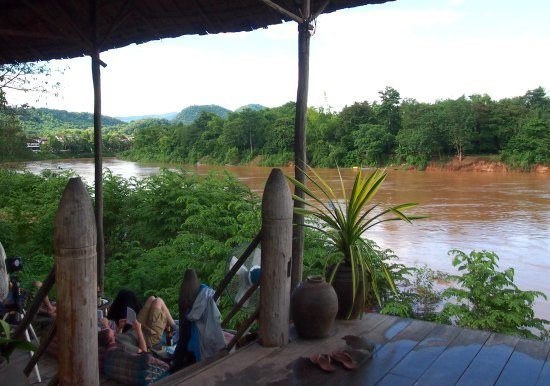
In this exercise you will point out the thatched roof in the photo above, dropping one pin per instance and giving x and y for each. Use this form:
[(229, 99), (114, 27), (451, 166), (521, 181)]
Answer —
[(53, 29)]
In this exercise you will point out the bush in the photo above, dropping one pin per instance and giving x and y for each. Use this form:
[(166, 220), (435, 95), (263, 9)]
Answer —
[(488, 299)]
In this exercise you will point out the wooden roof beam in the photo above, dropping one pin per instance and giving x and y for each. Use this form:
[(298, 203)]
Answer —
[(73, 26), (48, 20), (27, 33), (203, 15), (145, 21), (316, 14), (120, 18), (284, 11)]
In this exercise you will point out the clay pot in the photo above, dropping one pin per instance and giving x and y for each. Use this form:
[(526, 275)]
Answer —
[(343, 285), (313, 305)]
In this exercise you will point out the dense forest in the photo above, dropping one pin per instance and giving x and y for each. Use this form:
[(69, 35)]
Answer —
[(40, 121), (391, 130)]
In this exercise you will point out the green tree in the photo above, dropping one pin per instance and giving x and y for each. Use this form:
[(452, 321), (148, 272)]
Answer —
[(458, 118), (421, 136), (12, 137), (373, 144), (531, 145), (485, 137), (389, 111), (537, 99), (32, 77)]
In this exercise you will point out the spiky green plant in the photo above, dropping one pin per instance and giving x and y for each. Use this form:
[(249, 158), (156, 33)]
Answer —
[(346, 223)]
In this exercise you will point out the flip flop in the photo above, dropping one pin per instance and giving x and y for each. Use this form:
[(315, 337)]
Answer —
[(323, 361), (344, 359)]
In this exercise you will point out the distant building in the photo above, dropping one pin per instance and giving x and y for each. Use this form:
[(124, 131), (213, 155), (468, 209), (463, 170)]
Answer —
[(35, 143)]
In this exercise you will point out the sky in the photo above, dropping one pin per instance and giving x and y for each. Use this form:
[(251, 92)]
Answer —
[(426, 49)]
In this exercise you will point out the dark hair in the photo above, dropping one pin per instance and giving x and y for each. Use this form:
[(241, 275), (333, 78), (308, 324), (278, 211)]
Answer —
[(125, 298), (103, 338), (189, 290)]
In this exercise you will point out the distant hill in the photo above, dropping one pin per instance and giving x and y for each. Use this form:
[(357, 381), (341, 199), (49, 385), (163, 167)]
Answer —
[(40, 120), (252, 106), (189, 114), (168, 116), (139, 124)]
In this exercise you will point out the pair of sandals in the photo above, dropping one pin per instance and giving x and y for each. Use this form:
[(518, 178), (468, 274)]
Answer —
[(324, 361)]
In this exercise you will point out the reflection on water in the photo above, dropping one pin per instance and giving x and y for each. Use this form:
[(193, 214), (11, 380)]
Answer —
[(508, 213)]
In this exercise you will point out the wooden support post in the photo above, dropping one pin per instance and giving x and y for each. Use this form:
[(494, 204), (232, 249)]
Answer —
[(276, 260), (98, 160), (76, 277), (98, 147), (300, 143)]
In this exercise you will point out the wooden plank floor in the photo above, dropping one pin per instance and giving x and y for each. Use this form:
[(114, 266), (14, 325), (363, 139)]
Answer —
[(47, 366), (407, 352)]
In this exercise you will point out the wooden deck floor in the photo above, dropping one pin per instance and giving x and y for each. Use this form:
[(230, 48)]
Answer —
[(406, 352)]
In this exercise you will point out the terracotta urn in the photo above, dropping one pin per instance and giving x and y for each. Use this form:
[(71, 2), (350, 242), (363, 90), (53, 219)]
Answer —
[(313, 305)]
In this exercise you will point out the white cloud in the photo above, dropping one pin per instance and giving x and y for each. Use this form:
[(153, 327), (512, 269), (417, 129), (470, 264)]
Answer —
[(431, 52)]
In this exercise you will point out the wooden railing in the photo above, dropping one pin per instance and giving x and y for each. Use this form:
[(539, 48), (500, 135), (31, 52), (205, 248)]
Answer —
[(76, 273), (238, 264), (245, 326)]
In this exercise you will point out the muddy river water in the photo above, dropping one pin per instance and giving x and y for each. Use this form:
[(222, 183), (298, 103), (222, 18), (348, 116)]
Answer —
[(508, 213)]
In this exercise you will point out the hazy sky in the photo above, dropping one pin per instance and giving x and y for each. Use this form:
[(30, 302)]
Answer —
[(426, 49)]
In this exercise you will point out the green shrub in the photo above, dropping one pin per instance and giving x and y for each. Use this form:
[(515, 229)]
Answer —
[(488, 299)]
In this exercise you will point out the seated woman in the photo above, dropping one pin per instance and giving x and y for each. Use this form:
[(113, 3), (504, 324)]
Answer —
[(125, 298), (153, 318)]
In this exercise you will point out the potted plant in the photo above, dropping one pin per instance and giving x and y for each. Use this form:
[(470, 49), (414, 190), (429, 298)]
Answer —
[(9, 374), (356, 263)]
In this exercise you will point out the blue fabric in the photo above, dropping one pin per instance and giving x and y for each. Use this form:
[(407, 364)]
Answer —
[(194, 344), (205, 316)]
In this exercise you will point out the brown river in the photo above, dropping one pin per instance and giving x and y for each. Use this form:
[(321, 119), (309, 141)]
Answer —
[(508, 213)]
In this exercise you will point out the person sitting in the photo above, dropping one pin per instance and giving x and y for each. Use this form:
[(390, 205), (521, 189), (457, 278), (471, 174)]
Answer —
[(125, 298), (132, 343), (125, 360), (47, 307), (153, 318)]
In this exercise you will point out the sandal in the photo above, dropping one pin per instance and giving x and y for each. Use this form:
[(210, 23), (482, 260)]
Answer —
[(344, 359), (323, 361)]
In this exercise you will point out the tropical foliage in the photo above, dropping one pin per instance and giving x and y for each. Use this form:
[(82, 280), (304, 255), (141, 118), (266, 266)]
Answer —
[(42, 121), (488, 299), (345, 224), (390, 131), (154, 228)]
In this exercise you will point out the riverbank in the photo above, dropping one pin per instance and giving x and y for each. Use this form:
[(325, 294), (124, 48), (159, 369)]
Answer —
[(481, 164)]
